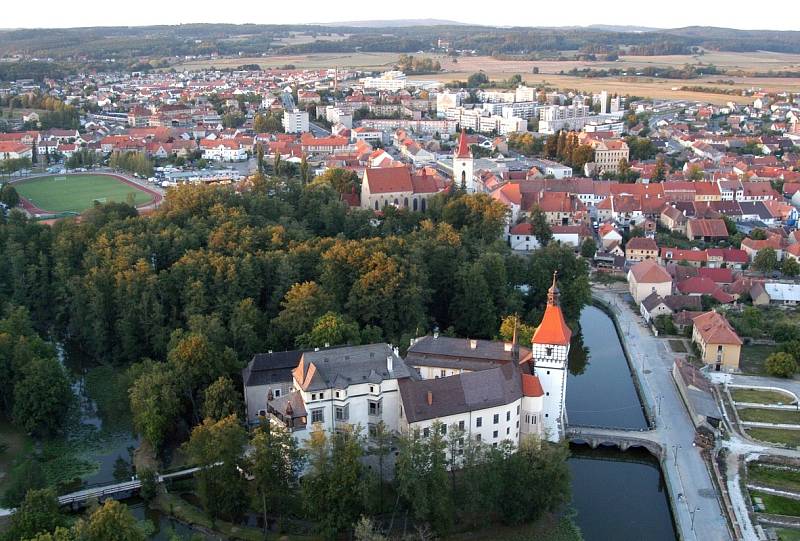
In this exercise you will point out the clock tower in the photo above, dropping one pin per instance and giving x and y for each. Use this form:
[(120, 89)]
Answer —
[(550, 353)]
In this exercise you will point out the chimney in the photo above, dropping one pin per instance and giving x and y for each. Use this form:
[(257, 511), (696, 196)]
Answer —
[(390, 363), (473, 344), (430, 398)]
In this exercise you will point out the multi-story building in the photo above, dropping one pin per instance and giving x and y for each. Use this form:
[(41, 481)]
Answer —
[(563, 117), (295, 121), (609, 153), (390, 81), (719, 344)]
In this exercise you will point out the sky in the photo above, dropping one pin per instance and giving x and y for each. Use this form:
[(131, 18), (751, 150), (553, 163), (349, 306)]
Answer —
[(777, 15)]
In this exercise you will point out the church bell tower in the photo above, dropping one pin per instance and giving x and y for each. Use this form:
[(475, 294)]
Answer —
[(463, 166)]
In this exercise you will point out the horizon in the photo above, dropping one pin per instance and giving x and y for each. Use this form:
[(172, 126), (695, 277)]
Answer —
[(680, 14)]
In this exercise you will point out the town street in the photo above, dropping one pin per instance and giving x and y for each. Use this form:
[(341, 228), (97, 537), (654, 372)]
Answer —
[(694, 498)]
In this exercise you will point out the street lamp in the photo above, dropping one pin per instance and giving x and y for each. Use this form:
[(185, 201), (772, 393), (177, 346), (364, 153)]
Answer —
[(675, 454), (695, 510)]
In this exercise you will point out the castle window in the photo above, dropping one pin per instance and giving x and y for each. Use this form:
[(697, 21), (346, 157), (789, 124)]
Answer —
[(479, 422), (494, 434), (549, 351), (496, 418)]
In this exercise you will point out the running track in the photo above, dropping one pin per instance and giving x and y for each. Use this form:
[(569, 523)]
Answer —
[(36, 211)]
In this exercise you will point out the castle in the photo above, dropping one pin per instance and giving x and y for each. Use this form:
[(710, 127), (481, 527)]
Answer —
[(493, 391)]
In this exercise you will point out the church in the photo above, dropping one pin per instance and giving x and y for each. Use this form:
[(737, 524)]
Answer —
[(494, 391), (464, 165)]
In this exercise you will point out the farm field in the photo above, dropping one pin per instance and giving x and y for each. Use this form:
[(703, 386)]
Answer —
[(376, 61), (78, 192)]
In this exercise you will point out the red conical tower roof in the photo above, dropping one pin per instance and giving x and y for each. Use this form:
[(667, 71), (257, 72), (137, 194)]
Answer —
[(463, 147), (553, 329)]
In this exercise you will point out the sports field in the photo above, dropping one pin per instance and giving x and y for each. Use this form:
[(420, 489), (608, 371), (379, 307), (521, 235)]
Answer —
[(76, 193)]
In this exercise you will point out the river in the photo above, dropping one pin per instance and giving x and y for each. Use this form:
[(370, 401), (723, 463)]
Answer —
[(619, 496)]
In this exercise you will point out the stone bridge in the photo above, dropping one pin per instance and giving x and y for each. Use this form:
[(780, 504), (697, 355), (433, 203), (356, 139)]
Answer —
[(622, 438)]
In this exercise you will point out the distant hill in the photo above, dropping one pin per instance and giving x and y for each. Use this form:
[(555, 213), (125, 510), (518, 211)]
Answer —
[(397, 23), (614, 28)]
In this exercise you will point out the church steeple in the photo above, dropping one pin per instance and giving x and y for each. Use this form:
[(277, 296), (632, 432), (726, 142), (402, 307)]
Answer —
[(463, 146), (553, 329)]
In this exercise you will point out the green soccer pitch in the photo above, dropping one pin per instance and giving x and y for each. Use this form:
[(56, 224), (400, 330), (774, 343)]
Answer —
[(76, 193)]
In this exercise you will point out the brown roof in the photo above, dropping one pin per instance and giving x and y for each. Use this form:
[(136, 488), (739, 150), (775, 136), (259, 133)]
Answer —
[(714, 227), (641, 243), (388, 180), (715, 329), (650, 272)]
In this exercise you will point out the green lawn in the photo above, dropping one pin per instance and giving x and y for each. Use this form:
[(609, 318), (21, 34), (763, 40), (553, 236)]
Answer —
[(759, 415), (785, 534), (78, 192), (790, 438), (760, 396), (777, 505), (677, 346), (753, 358), (778, 478)]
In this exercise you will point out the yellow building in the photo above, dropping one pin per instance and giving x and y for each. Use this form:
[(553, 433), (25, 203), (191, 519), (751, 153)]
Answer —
[(719, 344)]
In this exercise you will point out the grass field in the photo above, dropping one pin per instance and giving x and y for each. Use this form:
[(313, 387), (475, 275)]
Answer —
[(790, 437), (785, 534), (758, 415), (778, 505), (772, 477), (753, 358), (760, 396), (78, 192)]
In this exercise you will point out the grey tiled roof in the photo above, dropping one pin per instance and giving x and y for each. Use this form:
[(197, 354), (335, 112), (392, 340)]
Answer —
[(265, 368), (351, 365), (465, 392)]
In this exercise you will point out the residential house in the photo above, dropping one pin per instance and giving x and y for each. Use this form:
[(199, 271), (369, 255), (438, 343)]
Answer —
[(719, 345), (648, 277), (707, 230), (640, 249)]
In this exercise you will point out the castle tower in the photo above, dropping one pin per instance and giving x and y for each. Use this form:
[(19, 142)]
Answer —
[(550, 352), (463, 167)]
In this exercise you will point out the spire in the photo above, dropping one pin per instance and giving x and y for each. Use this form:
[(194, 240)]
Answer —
[(552, 293), (463, 148)]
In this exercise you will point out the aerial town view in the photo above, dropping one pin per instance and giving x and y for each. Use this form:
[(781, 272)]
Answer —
[(455, 273)]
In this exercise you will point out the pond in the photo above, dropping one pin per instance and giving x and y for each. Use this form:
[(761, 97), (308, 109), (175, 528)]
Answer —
[(600, 388)]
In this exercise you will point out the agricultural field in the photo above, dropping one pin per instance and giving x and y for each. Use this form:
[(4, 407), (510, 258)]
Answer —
[(76, 193), (367, 61)]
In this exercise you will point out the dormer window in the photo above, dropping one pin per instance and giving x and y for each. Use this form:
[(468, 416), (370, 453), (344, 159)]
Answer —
[(549, 351)]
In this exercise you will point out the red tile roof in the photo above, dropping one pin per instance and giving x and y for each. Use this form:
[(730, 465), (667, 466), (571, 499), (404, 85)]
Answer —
[(650, 272), (531, 386), (715, 329)]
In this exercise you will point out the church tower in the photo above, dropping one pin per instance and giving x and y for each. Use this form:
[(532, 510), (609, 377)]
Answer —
[(463, 167), (550, 353)]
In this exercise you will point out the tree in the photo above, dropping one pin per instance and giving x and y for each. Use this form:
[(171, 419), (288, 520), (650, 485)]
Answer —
[(28, 476), (660, 171), (333, 486), (330, 329), (155, 403), (477, 79), (380, 445), (216, 447), (111, 522), (588, 248), (524, 331), (766, 260), (274, 463), (541, 229), (303, 304), (39, 512), (472, 310), (9, 195), (781, 364), (422, 477), (367, 531), (304, 169), (790, 266), (41, 396), (221, 399)]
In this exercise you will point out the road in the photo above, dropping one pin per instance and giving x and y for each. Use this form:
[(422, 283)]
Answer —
[(317, 130), (697, 512)]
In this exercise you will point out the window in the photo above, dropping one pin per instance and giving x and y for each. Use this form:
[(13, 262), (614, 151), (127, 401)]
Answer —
[(549, 351), (443, 373), (313, 396), (477, 437), (508, 416), (461, 425), (496, 418), (479, 422), (444, 429), (426, 432), (371, 389), (341, 413), (517, 409), (494, 444), (494, 434), (373, 430), (547, 393), (276, 393), (374, 407), (317, 416), (508, 431), (337, 394), (321, 396)]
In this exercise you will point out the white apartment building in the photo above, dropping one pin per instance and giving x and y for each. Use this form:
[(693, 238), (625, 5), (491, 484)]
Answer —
[(390, 81), (336, 115), (524, 93), (295, 121), (447, 100), (560, 117)]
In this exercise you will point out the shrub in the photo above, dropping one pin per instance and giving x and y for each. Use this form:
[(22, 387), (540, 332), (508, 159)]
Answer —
[(781, 364)]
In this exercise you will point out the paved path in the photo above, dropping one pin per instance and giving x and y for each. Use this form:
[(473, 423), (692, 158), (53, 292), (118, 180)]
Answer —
[(695, 504)]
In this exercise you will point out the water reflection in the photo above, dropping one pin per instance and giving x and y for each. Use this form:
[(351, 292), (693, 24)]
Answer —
[(600, 389)]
